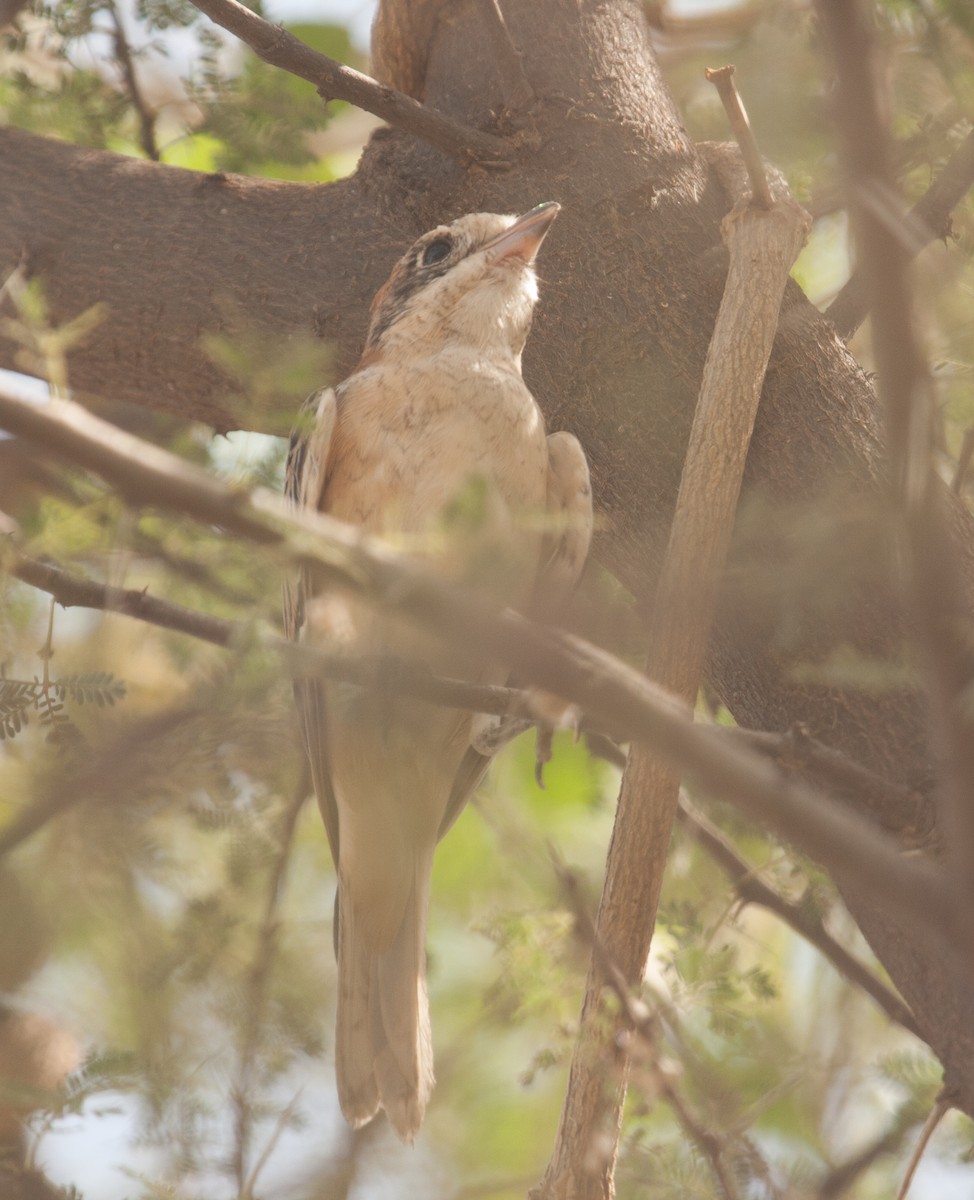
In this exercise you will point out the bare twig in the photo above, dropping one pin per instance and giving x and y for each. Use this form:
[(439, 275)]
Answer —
[(123, 52), (753, 890), (256, 991), (334, 81), (280, 1125), (763, 245), (517, 89), (845, 1174), (710, 1145), (615, 695), (930, 216), (368, 672), (939, 608), (723, 80), (937, 1114)]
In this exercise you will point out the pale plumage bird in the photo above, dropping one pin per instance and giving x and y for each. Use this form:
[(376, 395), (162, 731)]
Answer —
[(434, 442)]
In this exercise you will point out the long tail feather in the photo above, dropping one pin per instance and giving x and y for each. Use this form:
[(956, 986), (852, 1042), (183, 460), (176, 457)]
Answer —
[(384, 1049)]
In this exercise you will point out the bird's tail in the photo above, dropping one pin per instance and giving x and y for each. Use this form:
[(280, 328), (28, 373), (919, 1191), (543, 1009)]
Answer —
[(383, 1043)]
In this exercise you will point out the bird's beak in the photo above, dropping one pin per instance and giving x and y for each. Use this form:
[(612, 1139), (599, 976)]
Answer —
[(523, 239)]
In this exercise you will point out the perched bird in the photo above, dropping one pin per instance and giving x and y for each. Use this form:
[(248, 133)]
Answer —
[(435, 443)]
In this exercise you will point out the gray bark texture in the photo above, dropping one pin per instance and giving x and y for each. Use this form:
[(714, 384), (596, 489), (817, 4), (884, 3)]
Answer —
[(631, 279)]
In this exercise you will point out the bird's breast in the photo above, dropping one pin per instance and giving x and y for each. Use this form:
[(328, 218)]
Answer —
[(447, 448)]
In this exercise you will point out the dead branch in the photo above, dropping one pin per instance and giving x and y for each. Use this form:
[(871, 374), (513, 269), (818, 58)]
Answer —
[(334, 81), (763, 245), (723, 80)]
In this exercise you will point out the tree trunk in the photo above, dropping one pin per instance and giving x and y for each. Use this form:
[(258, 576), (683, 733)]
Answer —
[(631, 278)]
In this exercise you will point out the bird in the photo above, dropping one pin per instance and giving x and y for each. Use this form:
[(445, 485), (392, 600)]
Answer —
[(435, 443)]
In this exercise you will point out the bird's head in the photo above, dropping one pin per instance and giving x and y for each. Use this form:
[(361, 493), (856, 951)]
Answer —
[(471, 282)]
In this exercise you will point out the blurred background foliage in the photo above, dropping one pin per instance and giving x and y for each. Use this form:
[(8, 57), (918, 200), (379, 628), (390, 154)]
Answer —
[(166, 971)]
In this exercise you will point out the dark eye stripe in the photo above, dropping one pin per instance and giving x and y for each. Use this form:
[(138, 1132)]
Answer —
[(402, 287)]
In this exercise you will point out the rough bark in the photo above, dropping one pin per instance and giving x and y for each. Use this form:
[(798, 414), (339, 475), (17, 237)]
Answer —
[(632, 278)]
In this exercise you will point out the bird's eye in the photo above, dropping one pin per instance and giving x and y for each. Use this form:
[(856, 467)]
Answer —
[(436, 251)]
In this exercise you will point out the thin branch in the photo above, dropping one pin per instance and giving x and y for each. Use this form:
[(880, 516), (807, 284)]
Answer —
[(929, 217), (280, 1125), (256, 992), (937, 1114), (123, 52), (710, 1145), (515, 85), (940, 613), (791, 751), (393, 675), (843, 1176), (723, 80), (615, 695), (753, 890), (334, 81)]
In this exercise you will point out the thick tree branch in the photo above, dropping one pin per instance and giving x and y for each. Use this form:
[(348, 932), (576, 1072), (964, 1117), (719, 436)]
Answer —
[(613, 693), (334, 81)]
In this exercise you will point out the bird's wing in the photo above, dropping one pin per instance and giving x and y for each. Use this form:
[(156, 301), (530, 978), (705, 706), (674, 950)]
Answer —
[(568, 533), (304, 484), (564, 549)]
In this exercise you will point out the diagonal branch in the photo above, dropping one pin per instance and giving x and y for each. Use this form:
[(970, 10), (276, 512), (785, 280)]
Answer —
[(752, 889), (616, 695), (123, 52), (334, 81), (302, 660), (793, 752), (928, 219)]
